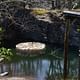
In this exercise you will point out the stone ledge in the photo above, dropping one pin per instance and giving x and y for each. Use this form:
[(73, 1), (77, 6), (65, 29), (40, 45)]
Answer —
[(30, 48)]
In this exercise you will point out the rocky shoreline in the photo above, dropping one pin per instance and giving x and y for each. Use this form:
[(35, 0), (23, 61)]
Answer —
[(18, 78)]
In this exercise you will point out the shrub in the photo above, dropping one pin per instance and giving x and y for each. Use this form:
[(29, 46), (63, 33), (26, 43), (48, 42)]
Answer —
[(1, 34), (78, 30), (6, 53)]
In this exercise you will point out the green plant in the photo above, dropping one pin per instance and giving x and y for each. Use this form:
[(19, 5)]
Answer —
[(1, 34), (6, 53), (78, 30)]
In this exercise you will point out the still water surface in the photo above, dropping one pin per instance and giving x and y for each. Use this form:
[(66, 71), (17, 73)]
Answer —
[(50, 68)]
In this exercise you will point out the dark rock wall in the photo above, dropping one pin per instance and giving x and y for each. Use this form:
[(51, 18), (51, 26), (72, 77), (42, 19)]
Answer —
[(21, 25)]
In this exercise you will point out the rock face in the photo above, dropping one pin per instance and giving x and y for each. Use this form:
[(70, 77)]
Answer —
[(21, 25)]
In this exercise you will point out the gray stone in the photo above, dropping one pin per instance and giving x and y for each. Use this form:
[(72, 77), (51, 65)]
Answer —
[(1, 59), (3, 74)]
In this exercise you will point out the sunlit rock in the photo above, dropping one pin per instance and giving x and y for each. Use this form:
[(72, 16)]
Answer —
[(1, 59), (30, 47), (4, 74)]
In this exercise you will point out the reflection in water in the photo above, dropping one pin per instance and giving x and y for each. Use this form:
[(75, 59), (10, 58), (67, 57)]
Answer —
[(41, 69), (55, 70)]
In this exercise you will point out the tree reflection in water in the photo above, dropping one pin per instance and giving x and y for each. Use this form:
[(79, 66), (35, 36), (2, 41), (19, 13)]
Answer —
[(41, 69), (55, 70)]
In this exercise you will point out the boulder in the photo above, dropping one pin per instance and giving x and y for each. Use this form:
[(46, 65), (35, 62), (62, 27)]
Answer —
[(29, 48)]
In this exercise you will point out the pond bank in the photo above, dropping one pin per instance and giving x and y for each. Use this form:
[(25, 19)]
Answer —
[(18, 78)]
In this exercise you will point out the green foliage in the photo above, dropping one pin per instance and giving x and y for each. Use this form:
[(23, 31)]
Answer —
[(1, 33), (7, 54), (78, 30), (0, 29)]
